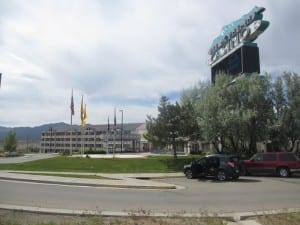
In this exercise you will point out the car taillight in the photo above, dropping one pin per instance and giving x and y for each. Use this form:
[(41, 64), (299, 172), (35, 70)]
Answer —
[(231, 164)]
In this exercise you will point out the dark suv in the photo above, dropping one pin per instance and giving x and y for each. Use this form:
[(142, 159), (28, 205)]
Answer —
[(282, 164), (219, 166)]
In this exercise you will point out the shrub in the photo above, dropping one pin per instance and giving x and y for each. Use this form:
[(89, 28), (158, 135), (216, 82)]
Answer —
[(90, 152)]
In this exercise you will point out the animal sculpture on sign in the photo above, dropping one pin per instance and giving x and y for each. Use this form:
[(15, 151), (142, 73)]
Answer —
[(232, 36)]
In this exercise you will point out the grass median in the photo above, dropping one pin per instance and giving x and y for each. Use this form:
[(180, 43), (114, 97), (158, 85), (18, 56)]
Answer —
[(10, 217), (152, 164)]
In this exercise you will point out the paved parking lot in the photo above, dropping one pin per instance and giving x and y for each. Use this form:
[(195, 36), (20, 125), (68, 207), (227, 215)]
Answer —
[(242, 181), (196, 195)]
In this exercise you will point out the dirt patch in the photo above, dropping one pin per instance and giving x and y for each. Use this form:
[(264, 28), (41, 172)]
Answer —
[(10, 217)]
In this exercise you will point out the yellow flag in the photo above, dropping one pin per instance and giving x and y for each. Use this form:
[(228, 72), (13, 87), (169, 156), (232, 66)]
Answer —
[(83, 114)]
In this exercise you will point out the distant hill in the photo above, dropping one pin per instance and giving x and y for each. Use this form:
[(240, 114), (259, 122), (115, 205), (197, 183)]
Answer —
[(30, 133)]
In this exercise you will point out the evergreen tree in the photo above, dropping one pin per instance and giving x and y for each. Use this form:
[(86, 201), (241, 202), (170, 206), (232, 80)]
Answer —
[(164, 130)]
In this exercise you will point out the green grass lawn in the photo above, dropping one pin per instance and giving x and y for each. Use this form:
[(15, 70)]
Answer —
[(160, 164)]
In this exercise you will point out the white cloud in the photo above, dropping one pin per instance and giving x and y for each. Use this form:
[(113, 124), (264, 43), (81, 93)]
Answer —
[(125, 53)]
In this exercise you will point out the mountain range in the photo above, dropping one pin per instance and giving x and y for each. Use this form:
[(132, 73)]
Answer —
[(30, 133)]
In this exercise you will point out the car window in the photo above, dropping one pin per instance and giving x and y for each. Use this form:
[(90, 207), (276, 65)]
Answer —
[(287, 157), (269, 157), (213, 161), (202, 161), (234, 159), (258, 158)]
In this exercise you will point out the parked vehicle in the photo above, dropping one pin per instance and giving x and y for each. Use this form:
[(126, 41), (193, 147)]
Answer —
[(219, 166), (282, 164)]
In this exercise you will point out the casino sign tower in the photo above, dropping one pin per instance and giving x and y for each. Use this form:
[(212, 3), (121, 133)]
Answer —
[(233, 51)]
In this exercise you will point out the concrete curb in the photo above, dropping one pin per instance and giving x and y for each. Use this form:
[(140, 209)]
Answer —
[(234, 217), (153, 187), (135, 181)]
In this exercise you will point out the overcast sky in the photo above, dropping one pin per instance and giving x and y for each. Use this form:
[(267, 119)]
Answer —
[(121, 53)]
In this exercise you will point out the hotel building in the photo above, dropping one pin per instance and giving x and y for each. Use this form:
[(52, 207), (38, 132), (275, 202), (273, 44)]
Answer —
[(77, 139)]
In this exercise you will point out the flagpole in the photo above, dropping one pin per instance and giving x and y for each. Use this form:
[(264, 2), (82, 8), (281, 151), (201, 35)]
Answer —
[(82, 141), (71, 137), (72, 113), (107, 134), (115, 128), (83, 117), (107, 142), (114, 144)]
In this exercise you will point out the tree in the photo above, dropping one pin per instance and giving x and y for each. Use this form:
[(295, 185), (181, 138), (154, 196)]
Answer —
[(189, 126), (165, 130), (292, 116), (157, 135), (10, 142), (276, 128), (189, 97), (209, 106), (234, 115), (285, 126)]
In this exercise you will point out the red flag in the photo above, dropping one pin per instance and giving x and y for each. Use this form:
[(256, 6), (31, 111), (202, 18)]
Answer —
[(72, 105)]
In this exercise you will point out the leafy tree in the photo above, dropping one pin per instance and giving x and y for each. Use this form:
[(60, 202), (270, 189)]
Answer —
[(189, 126), (191, 95), (234, 116), (209, 107), (277, 126), (285, 126), (292, 118), (10, 141), (190, 129)]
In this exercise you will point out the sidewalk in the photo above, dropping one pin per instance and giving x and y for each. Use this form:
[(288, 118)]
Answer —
[(140, 181)]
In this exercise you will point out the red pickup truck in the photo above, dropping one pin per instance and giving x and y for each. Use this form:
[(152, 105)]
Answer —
[(282, 164)]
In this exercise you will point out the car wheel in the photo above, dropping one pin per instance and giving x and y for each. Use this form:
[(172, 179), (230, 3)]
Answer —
[(189, 174), (243, 170), (221, 175), (235, 177), (283, 172)]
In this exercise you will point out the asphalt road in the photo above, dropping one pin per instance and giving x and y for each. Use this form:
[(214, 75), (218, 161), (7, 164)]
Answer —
[(245, 194)]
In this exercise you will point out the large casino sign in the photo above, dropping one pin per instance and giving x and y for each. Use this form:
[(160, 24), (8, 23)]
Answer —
[(232, 36)]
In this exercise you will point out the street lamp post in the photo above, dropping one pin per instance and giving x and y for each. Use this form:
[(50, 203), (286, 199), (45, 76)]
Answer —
[(121, 110)]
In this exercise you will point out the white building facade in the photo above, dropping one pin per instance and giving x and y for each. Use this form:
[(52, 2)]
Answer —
[(77, 139)]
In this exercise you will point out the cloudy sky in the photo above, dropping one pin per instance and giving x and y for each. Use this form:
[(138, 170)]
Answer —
[(121, 53)]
